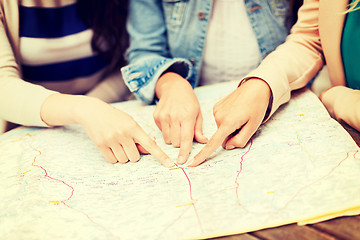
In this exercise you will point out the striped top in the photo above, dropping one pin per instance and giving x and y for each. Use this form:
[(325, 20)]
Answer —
[(55, 47)]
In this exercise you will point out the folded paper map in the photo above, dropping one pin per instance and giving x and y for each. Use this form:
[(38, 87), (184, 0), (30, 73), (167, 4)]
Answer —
[(301, 166)]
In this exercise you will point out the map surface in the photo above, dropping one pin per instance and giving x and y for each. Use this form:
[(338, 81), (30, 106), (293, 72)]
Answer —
[(300, 166)]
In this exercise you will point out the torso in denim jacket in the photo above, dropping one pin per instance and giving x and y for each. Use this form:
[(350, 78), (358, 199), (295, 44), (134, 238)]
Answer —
[(169, 35)]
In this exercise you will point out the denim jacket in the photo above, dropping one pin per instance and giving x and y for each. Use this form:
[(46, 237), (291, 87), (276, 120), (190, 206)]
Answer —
[(169, 35)]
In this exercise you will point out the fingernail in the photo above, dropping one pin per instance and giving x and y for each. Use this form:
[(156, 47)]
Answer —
[(168, 163), (189, 163), (230, 147), (205, 139), (181, 160)]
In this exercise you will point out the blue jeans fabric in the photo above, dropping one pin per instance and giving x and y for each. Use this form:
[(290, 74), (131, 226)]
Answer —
[(169, 35)]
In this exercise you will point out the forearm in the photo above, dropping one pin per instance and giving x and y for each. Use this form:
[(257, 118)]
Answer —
[(293, 64), (62, 109), (20, 102)]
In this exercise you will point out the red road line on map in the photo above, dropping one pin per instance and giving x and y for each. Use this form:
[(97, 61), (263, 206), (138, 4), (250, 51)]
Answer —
[(191, 196), (314, 182), (187, 177), (91, 220), (357, 158), (47, 175), (303, 188), (173, 222), (240, 170), (71, 195)]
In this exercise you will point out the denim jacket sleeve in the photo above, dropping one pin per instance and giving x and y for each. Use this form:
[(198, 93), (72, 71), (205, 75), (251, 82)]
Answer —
[(148, 54)]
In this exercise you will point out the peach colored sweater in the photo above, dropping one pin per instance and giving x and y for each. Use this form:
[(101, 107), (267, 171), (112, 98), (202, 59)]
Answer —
[(314, 40)]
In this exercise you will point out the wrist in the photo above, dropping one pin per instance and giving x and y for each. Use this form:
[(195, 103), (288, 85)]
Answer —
[(167, 81), (84, 107), (262, 91), (334, 95), (259, 85)]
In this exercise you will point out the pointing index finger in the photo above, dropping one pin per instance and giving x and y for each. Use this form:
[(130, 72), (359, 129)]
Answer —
[(150, 145), (215, 141), (187, 136)]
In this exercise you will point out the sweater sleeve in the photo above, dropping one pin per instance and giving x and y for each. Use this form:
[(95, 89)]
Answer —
[(294, 63), (20, 101)]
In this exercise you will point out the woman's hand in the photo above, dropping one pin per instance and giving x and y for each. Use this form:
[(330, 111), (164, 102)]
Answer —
[(332, 95), (343, 104), (114, 132), (237, 116), (178, 114)]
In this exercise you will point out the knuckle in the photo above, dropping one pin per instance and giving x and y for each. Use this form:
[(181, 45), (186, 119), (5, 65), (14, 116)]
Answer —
[(122, 132), (227, 122), (162, 117), (132, 125), (194, 110), (156, 114), (215, 109), (181, 116), (151, 144), (218, 116), (108, 138), (101, 143), (177, 116), (219, 121)]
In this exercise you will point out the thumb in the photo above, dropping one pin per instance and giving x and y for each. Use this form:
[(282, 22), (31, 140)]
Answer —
[(241, 138)]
